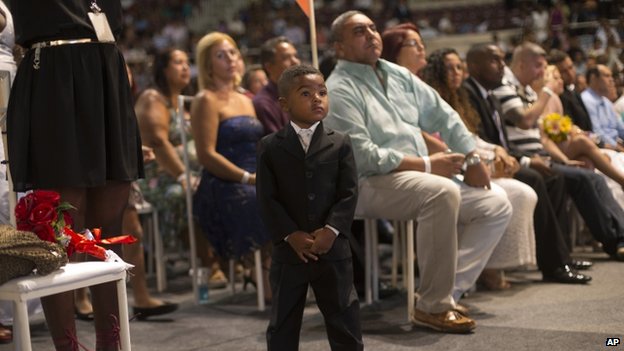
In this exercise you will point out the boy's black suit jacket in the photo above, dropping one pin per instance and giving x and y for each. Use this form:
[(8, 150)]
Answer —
[(306, 191)]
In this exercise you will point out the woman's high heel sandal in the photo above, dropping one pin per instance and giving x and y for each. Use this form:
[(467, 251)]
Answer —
[(84, 316), (142, 313), (217, 280), (247, 280)]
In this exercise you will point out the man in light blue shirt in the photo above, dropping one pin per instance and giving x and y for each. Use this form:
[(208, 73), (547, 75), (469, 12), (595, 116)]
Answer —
[(605, 122), (383, 108)]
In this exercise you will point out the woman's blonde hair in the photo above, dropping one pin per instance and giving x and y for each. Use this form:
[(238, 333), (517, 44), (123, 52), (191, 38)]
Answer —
[(203, 59), (550, 71)]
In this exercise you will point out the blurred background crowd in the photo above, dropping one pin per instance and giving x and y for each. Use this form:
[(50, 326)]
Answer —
[(585, 29)]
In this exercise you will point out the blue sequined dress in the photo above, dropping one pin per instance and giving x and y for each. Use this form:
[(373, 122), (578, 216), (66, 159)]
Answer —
[(228, 211)]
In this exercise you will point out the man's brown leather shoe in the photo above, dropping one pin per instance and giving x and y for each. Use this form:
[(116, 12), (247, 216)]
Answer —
[(461, 309), (619, 253), (447, 322)]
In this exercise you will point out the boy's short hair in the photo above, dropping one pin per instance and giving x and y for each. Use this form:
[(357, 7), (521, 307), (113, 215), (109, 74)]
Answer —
[(284, 84)]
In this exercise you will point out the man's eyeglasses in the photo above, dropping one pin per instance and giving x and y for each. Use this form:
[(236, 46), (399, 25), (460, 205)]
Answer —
[(413, 42)]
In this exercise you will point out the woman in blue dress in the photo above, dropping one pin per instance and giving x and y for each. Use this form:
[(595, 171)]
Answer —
[(226, 131)]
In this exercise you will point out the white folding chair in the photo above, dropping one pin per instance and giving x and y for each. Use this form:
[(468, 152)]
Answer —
[(189, 196), (259, 280), (154, 244), (371, 264), (69, 277)]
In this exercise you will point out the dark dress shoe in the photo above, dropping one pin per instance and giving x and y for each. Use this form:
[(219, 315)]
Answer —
[(142, 313), (386, 290), (566, 274), (581, 265)]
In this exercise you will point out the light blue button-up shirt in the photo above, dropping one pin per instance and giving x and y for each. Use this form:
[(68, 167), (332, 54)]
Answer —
[(384, 120), (605, 122)]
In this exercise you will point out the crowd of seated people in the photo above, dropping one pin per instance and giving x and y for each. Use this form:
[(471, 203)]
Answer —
[(529, 232), (478, 94), (434, 137)]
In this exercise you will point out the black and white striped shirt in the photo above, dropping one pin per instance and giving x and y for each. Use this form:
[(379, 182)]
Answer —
[(513, 95)]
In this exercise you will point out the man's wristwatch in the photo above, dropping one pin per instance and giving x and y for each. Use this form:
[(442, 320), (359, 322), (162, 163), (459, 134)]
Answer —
[(473, 159)]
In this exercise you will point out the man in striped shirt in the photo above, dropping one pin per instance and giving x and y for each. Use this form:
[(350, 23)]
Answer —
[(521, 107)]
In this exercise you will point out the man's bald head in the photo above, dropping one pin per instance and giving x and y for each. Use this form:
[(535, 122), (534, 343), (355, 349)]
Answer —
[(477, 52), (528, 62), (527, 51)]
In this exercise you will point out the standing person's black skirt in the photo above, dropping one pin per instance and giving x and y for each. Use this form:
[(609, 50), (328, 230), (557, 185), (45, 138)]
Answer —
[(73, 125)]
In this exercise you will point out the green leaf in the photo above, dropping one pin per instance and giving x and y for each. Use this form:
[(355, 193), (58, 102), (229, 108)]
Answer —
[(60, 220), (64, 206)]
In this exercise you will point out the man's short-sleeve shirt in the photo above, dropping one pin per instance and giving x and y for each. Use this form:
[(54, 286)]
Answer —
[(512, 95)]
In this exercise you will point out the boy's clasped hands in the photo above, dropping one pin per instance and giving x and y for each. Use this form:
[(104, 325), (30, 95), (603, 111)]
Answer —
[(310, 245)]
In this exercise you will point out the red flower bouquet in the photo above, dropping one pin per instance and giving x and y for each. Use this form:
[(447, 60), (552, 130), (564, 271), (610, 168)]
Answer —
[(43, 213)]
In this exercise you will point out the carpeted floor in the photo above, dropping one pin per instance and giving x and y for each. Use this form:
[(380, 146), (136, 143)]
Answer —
[(530, 316)]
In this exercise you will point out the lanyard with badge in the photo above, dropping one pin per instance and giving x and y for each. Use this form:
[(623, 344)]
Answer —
[(100, 24)]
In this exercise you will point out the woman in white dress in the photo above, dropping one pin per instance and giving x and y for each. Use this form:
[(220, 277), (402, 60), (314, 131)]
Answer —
[(403, 45)]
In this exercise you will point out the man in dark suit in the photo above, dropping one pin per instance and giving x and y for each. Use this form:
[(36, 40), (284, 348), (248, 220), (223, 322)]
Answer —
[(485, 66), (307, 191), (573, 105)]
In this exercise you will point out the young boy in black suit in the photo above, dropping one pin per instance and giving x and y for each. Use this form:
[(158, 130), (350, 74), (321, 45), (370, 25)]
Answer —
[(307, 191)]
